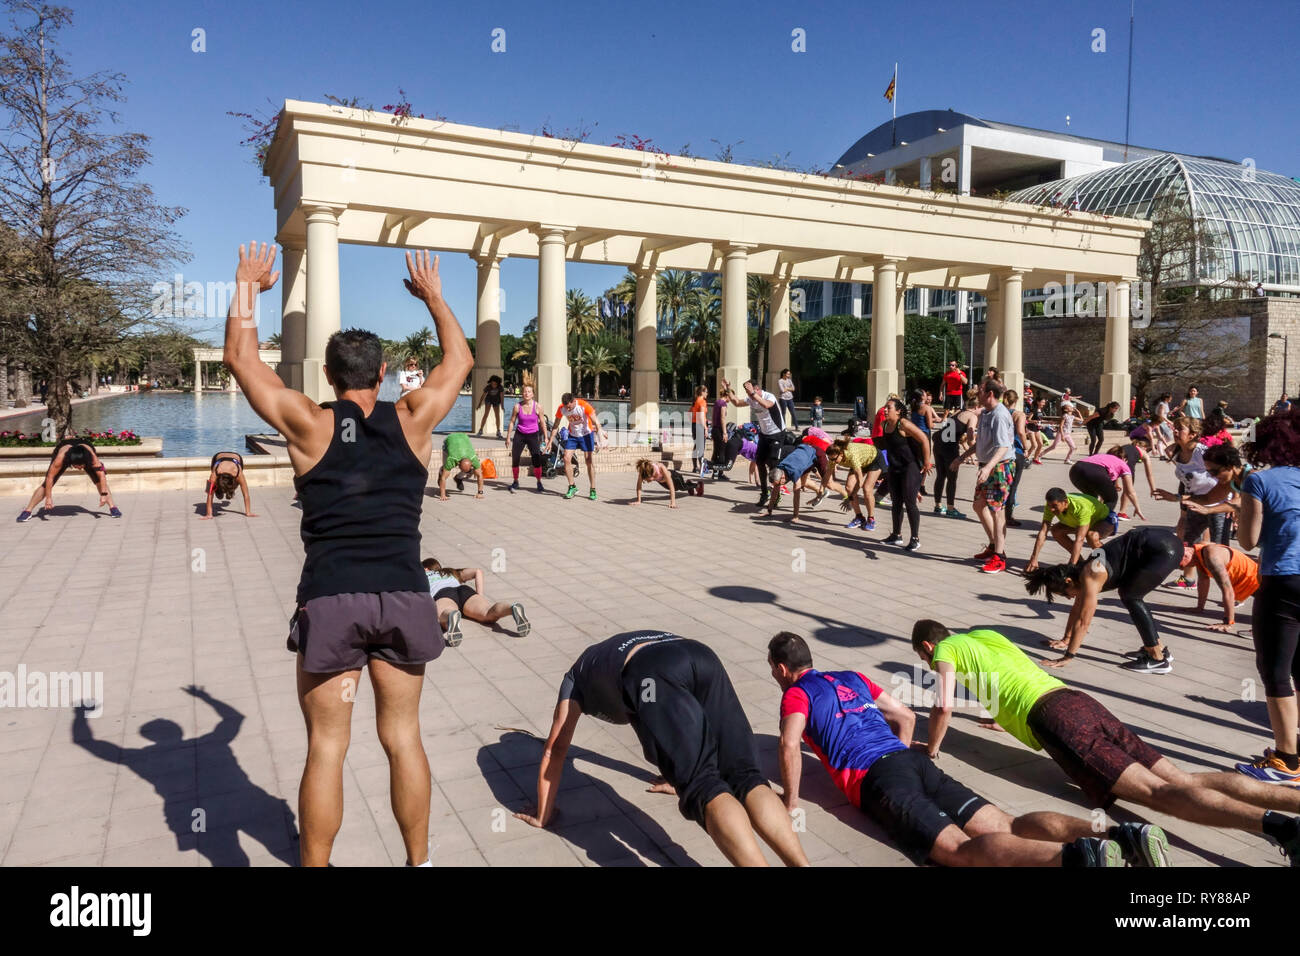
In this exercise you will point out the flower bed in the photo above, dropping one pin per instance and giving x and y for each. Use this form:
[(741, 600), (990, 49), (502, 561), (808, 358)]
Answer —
[(104, 439)]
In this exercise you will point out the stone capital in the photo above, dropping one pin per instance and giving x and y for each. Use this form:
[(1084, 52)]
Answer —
[(322, 211)]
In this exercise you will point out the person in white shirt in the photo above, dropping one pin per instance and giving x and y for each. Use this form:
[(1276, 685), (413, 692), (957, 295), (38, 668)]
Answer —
[(767, 415), (411, 378)]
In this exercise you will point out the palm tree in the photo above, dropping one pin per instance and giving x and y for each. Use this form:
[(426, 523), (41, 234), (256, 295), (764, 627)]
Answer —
[(418, 345), (676, 290), (581, 318), (759, 302), (702, 329), (599, 362)]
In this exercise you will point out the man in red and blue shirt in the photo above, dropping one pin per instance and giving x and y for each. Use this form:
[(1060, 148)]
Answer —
[(863, 736)]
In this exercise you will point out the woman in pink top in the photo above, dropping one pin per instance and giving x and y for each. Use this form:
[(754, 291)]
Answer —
[(673, 480), (1098, 475), (527, 429)]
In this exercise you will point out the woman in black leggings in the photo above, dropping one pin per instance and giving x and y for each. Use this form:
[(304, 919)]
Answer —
[(1020, 440), (1270, 517), (1134, 564), (1096, 426), (908, 449), (947, 440)]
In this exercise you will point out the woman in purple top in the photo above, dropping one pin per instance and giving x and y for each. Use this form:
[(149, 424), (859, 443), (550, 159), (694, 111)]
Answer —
[(527, 430), (1097, 475)]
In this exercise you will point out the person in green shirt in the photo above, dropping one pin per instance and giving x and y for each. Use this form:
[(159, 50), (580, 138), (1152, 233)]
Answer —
[(458, 456), (1096, 750), (1088, 516)]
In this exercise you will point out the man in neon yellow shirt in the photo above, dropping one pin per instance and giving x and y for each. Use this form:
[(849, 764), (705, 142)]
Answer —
[(1106, 759), (1089, 516)]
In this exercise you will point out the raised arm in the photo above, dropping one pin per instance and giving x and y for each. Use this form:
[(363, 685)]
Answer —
[(429, 404), (288, 411)]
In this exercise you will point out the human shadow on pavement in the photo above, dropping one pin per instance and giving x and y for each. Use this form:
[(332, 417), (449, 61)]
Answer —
[(178, 768), (831, 630), (620, 839), (67, 511)]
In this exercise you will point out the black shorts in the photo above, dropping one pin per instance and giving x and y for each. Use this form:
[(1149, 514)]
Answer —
[(340, 632), (954, 401), (915, 801), (690, 723), (460, 595), (1090, 743)]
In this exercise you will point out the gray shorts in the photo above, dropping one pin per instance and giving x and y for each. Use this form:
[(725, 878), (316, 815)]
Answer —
[(340, 632)]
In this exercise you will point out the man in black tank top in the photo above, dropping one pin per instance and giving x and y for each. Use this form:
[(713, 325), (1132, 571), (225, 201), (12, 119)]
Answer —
[(360, 468)]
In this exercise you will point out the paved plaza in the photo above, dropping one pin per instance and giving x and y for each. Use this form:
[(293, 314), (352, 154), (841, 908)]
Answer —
[(160, 601)]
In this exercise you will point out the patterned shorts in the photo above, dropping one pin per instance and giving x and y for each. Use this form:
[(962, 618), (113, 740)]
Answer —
[(994, 491)]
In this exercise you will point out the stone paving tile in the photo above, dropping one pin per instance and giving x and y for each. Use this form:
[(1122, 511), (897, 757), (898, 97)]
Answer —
[(124, 795)]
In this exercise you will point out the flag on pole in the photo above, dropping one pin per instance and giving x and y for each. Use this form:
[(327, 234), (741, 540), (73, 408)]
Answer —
[(889, 90)]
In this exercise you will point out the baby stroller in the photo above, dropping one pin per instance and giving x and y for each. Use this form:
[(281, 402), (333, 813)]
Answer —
[(552, 467)]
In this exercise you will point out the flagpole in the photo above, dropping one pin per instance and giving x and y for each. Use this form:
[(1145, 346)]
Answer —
[(1128, 96), (893, 139)]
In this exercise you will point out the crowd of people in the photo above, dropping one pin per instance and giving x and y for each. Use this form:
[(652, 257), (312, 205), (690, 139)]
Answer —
[(367, 600)]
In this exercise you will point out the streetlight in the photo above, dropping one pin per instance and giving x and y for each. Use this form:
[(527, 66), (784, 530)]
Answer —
[(1285, 350)]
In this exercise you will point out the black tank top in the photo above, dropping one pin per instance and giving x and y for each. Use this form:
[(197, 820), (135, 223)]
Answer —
[(902, 450), (361, 508), (947, 438)]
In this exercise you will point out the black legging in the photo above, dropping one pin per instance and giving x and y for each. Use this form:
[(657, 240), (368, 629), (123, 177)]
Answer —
[(1093, 479), (943, 472), (904, 486), (1015, 483), (1153, 554), (769, 447), (681, 482), (1276, 630), (533, 442), (1096, 435)]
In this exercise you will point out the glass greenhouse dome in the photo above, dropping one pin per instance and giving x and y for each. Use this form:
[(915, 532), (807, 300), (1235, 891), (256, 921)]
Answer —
[(1251, 217)]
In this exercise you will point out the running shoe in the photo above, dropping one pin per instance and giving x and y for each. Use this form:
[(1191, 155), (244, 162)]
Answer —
[(1038, 461), (501, 436), (939, 510), (984, 555), (816, 500), (514, 485), (1182, 584), (592, 496), (1123, 517), (994, 565), (1142, 844), (573, 490), (762, 498), (913, 545), (856, 523), (870, 525), (1148, 665), (1099, 852), (115, 512), (1140, 653), (705, 469), (25, 516), (893, 539), (521, 620), (1270, 769), (954, 513), (452, 633)]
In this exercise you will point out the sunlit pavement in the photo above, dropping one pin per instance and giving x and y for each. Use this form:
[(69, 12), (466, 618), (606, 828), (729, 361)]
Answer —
[(159, 601)]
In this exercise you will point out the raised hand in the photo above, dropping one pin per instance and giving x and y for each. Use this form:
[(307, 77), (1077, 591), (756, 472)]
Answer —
[(255, 265), (425, 283)]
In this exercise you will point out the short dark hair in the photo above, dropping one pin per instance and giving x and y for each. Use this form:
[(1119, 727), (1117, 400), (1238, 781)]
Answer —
[(789, 649), (566, 398), (354, 358), (1051, 579), (994, 386), (225, 486), (927, 632), (1222, 456), (78, 456), (1057, 494), (1277, 440)]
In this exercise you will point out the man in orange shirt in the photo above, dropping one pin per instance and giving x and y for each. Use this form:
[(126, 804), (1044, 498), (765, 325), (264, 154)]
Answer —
[(699, 423), (579, 418), (1234, 571)]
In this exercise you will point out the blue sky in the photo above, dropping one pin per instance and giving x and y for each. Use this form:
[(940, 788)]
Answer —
[(1208, 78)]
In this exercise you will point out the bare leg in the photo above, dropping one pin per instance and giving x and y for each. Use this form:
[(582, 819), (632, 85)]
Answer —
[(444, 607), (397, 717), (955, 848), (37, 495), (478, 608), (1283, 714), (327, 710), (1170, 790), (1267, 796), (568, 467), (728, 824), (768, 815), (591, 471)]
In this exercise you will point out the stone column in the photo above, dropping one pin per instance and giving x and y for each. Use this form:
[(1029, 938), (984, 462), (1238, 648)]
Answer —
[(487, 331), (1013, 308), (882, 378), (323, 312), (992, 328), (1116, 382), (644, 417), (554, 377), (778, 349), (293, 315), (198, 374), (734, 364), (900, 318)]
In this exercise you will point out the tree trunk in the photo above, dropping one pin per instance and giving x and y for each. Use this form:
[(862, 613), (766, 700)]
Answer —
[(94, 380), (4, 381), (22, 387), (59, 403)]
